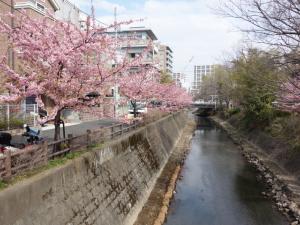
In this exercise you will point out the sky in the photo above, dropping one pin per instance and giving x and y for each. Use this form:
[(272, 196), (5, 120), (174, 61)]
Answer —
[(189, 27)]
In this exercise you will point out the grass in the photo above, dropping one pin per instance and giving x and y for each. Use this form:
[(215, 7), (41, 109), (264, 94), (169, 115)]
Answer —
[(62, 160), (14, 123), (3, 185), (97, 145)]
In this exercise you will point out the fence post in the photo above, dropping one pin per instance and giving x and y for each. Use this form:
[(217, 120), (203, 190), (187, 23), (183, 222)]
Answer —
[(89, 137), (34, 115), (112, 132), (45, 152), (121, 127), (135, 124), (8, 116), (8, 164), (70, 137)]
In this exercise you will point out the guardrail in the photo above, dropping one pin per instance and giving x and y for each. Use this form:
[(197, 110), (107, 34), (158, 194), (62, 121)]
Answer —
[(34, 156)]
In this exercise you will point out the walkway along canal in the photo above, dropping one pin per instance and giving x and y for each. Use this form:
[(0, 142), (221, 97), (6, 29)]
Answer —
[(218, 186)]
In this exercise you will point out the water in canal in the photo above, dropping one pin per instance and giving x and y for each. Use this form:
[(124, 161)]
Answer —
[(218, 187)]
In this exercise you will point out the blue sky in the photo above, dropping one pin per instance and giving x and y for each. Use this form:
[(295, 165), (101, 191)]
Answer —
[(189, 27)]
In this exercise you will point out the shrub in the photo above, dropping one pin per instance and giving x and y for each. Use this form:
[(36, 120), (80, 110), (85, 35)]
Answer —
[(230, 112), (258, 114), (234, 111), (287, 129), (14, 123), (3, 125)]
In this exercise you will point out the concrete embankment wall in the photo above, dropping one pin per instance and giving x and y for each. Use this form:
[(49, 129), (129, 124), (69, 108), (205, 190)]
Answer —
[(108, 186)]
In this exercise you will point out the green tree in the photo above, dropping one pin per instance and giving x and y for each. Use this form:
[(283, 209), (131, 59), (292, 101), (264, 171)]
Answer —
[(257, 82), (220, 84), (166, 78)]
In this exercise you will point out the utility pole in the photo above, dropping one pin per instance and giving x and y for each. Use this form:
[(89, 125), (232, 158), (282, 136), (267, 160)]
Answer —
[(12, 55), (115, 76)]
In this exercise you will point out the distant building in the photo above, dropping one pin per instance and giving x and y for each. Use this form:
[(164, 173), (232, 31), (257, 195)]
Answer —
[(179, 78), (70, 13), (165, 58), (200, 71), (140, 39)]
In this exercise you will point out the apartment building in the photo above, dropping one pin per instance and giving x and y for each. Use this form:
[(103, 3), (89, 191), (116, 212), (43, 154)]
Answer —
[(200, 71), (165, 58), (179, 79), (70, 13), (139, 37), (34, 8)]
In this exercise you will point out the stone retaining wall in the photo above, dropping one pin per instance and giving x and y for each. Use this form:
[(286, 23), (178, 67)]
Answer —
[(107, 186)]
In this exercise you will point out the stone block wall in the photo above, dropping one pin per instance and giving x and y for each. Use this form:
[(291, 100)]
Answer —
[(107, 186)]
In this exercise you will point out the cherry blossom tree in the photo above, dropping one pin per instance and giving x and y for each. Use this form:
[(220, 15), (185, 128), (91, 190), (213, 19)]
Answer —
[(173, 97), (62, 66), (144, 86), (140, 85), (289, 95)]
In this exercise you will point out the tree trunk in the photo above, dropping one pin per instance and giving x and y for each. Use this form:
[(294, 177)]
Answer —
[(57, 126), (227, 104), (133, 103)]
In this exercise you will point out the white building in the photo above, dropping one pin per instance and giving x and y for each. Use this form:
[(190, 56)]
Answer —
[(200, 71), (70, 13)]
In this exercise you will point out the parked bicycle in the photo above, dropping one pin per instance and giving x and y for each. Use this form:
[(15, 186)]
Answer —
[(33, 135)]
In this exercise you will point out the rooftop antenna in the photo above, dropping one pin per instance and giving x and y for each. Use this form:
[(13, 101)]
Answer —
[(93, 14)]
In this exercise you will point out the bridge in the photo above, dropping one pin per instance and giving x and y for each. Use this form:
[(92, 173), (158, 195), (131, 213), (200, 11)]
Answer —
[(204, 108), (205, 104)]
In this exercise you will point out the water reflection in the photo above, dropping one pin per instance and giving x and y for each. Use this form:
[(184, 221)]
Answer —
[(218, 187)]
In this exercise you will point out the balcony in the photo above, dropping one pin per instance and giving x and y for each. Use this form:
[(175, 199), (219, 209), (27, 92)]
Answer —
[(32, 4), (135, 43)]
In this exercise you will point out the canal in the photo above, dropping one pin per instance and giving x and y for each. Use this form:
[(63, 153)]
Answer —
[(218, 187)]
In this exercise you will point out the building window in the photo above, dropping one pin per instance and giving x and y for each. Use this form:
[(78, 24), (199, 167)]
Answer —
[(40, 6)]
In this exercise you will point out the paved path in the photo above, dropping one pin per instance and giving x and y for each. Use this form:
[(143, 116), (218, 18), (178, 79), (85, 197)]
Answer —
[(76, 129)]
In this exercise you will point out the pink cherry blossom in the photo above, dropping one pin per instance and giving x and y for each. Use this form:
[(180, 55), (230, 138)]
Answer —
[(60, 64)]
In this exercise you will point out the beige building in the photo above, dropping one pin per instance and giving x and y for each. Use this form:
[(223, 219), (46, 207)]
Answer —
[(140, 38), (34, 8), (165, 58), (179, 79)]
